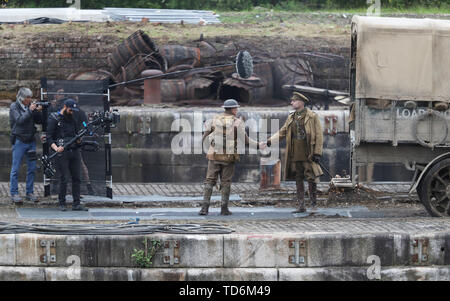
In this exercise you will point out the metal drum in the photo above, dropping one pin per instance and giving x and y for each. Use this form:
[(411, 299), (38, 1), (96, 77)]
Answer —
[(138, 42), (172, 90)]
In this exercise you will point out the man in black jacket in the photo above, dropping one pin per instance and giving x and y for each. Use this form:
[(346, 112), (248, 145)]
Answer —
[(23, 115), (62, 127)]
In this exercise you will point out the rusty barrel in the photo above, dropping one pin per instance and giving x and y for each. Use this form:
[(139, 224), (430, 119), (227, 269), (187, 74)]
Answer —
[(138, 42), (176, 55), (173, 90), (133, 68), (270, 173), (92, 75), (199, 88)]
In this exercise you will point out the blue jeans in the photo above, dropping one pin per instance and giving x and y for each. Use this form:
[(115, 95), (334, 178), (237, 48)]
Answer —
[(19, 151)]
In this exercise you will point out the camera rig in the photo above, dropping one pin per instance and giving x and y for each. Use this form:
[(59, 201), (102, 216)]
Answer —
[(100, 120), (42, 103)]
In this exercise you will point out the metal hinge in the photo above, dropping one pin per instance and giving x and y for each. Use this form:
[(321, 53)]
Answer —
[(48, 256), (419, 250), (300, 252), (171, 252), (331, 125)]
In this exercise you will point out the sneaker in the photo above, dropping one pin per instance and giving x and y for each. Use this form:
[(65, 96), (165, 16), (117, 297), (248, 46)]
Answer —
[(32, 198), (79, 207), (62, 207), (16, 199)]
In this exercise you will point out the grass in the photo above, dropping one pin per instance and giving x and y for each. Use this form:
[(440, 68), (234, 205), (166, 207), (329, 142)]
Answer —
[(267, 23), (260, 14)]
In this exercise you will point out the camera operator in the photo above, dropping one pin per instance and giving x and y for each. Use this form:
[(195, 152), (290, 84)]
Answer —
[(23, 115), (62, 127)]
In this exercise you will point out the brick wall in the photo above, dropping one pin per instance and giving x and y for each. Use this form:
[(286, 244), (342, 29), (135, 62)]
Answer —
[(24, 61)]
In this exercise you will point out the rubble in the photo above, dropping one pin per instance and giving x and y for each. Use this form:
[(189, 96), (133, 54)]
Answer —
[(139, 52)]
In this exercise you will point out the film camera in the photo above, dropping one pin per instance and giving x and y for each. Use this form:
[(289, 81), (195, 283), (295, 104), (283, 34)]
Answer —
[(42, 103), (98, 120), (111, 118)]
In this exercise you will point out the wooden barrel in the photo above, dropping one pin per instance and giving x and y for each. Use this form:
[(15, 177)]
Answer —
[(138, 42), (176, 55), (133, 68), (173, 90)]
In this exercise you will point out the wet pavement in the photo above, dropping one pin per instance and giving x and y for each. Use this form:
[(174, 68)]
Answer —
[(258, 213), (174, 202)]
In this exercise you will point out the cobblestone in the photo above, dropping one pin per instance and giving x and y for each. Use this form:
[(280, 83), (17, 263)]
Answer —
[(196, 189)]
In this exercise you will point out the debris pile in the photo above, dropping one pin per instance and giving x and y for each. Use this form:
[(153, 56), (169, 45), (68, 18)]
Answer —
[(198, 86)]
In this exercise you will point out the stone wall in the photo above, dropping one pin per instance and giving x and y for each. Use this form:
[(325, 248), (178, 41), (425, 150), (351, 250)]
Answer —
[(142, 146)]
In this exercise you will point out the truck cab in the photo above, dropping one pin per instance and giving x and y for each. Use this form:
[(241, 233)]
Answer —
[(400, 93)]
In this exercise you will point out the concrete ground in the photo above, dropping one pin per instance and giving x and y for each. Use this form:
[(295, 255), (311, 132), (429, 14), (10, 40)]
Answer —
[(180, 202)]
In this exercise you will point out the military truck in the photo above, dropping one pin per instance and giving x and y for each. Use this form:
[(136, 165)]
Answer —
[(400, 90), (399, 96)]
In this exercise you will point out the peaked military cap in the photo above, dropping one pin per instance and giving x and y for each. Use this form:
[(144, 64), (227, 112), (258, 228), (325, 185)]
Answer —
[(299, 96)]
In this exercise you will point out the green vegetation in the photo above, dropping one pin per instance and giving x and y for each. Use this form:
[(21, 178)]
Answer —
[(143, 258), (388, 6)]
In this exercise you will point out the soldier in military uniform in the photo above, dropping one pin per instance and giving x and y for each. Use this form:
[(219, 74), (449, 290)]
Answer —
[(224, 132), (304, 142)]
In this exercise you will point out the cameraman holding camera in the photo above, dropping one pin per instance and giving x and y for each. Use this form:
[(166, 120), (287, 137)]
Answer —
[(62, 127), (23, 115)]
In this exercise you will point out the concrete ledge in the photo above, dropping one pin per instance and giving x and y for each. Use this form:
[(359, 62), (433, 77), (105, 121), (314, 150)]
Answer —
[(275, 250), (434, 273)]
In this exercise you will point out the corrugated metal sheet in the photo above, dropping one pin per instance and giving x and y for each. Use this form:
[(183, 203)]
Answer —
[(111, 14), (66, 14), (162, 15)]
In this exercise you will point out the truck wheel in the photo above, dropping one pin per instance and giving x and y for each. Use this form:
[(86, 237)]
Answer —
[(434, 190)]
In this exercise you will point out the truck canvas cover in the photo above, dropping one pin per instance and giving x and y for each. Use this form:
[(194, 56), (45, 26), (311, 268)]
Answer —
[(402, 59)]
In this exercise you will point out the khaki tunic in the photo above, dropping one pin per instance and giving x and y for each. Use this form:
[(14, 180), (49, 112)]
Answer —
[(314, 143), (223, 153), (299, 147)]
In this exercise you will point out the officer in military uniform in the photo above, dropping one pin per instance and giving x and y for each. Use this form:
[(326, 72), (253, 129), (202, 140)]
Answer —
[(224, 132), (304, 142)]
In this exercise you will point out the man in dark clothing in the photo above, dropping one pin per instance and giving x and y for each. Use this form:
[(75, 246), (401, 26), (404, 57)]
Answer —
[(62, 127), (23, 115)]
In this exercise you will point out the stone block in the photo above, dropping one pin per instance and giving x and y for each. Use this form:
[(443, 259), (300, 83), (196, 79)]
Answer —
[(116, 250), (175, 251), (21, 274), (323, 274), (232, 274), (7, 249), (190, 251), (349, 250), (254, 251), (30, 249)]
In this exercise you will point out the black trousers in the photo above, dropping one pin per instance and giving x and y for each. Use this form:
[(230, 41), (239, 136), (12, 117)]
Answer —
[(69, 165)]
